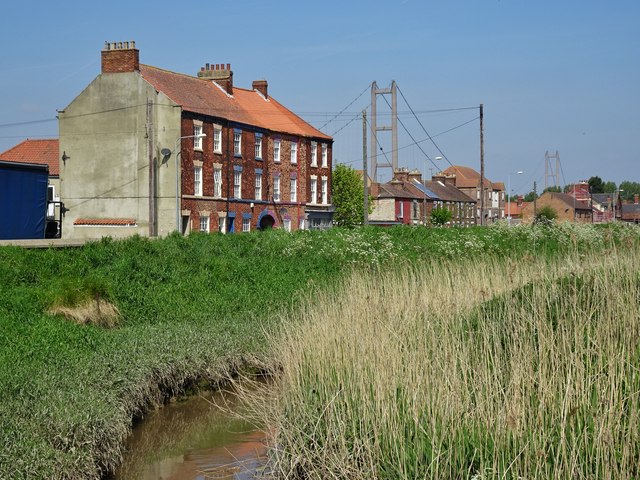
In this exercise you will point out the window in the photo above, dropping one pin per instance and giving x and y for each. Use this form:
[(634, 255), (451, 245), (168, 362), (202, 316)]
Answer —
[(314, 189), (276, 150), (237, 184), (294, 189), (324, 191), (197, 181), (287, 224), (246, 224), (204, 223), (217, 139), (301, 224), (258, 145), (217, 182), (276, 188), (237, 143), (222, 224), (294, 152), (197, 139), (314, 154), (324, 155), (401, 208), (258, 185)]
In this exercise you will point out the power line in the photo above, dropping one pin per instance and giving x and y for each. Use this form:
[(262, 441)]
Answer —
[(424, 129), (411, 136), (355, 100), (424, 140)]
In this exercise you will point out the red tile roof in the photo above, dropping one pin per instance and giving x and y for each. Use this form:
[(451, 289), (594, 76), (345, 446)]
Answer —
[(203, 96), (42, 152), (127, 222), (466, 177)]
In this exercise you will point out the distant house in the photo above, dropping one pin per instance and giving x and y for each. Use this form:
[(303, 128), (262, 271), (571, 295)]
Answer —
[(606, 206), (514, 209), (406, 199), (149, 151), (566, 207), (467, 180), (630, 212), (40, 152), (396, 203)]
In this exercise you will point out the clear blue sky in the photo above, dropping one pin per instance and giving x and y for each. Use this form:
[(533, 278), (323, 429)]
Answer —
[(552, 75)]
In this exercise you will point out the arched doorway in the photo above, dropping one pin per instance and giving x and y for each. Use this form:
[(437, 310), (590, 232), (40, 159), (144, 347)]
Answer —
[(266, 222)]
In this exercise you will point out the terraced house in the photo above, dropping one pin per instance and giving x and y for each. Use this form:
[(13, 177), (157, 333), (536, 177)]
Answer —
[(150, 151)]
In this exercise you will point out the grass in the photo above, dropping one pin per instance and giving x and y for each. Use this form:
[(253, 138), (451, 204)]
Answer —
[(192, 310), (466, 368)]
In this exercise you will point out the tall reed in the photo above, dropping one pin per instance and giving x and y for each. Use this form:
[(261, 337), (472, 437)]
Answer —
[(464, 369)]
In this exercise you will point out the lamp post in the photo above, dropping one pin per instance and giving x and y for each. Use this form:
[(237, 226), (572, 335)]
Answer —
[(424, 206), (178, 152), (519, 172)]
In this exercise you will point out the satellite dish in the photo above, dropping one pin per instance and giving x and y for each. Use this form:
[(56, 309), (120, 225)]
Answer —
[(165, 152)]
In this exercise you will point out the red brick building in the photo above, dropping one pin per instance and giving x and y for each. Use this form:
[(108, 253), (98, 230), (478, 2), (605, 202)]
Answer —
[(152, 151)]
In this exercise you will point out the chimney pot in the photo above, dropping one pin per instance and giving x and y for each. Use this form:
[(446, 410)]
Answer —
[(635, 198), (206, 66), (228, 66), (133, 44)]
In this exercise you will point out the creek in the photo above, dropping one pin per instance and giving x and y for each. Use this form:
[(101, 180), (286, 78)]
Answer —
[(202, 437)]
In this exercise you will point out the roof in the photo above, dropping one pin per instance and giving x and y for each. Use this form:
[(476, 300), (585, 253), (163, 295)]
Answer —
[(515, 209), (466, 177), (41, 152), (447, 193), (127, 222), (393, 190), (569, 200), (630, 208), (248, 107)]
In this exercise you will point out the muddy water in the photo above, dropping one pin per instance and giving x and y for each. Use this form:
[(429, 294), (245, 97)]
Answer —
[(200, 438)]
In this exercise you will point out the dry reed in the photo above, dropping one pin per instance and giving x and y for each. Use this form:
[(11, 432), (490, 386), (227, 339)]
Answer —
[(467, 369)]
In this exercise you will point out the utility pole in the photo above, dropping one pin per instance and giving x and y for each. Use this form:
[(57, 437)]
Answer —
[(365, 167), (482, 164), (535, 200), (152, 171)]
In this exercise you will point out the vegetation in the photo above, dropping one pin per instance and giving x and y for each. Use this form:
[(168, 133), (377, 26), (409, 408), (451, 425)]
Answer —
[(347, 193), (191, 310), (473, 368), (440, 216), (546, 215)]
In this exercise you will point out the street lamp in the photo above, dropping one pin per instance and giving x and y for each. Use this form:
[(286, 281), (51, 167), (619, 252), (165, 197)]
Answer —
[(519, 172), (424, 206), (178, 152)]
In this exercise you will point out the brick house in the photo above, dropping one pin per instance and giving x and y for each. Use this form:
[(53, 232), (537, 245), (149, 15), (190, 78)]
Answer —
[(630, 212), (150, 151), (567, 208), (467, 180)]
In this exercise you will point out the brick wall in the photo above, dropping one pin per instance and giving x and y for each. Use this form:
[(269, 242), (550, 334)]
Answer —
[(283, 210)]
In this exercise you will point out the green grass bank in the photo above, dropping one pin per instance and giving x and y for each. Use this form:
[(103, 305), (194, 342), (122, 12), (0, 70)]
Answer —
[(194, 309)]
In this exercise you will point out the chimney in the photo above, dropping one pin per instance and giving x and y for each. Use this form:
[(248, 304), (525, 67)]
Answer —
[(120, 57), (635, 199), (439, 177), (260, 86), (415, 175), (219, 73), (401, 175), (450, 179), (520, 200)]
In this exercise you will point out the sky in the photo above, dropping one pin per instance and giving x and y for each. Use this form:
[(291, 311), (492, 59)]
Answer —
[(552, 75)]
